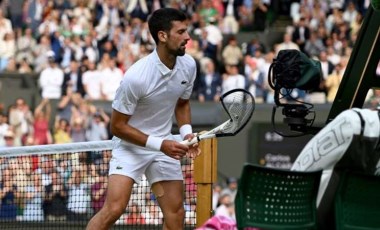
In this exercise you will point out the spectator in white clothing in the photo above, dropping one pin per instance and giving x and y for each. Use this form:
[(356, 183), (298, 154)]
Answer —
[(34, 196), (4, 127), (5, 25), (7, 49), (349, 15), (91, 80), (25, 44), (21, 120), (111, 78), (78, 197), (51, 79), (232, 79), (216, 192), (97, 126), (287, 44), (255, 80)]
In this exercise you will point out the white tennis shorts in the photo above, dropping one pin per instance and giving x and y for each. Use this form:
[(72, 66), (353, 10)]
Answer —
[(133, 162)]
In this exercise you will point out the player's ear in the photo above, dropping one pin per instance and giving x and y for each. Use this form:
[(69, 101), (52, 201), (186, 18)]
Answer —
[(162, 36)]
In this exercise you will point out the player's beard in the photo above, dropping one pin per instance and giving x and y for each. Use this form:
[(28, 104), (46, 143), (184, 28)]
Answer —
[(181, 51)]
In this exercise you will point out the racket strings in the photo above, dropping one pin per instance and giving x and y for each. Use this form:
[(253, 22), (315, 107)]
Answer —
[(239, 105)]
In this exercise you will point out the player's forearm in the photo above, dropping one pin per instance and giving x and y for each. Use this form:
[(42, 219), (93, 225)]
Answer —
[(183, 116), (183, 112), (129, 134)]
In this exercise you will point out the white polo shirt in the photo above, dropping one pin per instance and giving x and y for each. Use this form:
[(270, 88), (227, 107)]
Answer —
[(149, 92), (50, 82)]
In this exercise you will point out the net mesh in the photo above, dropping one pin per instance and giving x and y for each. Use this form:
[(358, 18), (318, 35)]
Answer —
[(62, 186)]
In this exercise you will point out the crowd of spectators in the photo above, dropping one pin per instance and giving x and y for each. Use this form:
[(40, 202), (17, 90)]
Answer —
[(88, 44), (71, 187), (80, 49)]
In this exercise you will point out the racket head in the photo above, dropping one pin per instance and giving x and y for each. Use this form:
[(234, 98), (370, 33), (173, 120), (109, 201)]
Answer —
[(239, 105)]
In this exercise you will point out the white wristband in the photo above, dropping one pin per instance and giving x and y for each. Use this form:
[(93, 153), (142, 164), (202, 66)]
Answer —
[(154, 143), (185, 129)]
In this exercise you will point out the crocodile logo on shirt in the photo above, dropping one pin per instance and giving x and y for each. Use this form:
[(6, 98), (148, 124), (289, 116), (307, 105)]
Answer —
[(119, 167)]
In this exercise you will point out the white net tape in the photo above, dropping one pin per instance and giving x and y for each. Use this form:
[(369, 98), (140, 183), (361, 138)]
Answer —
[(56, 148)]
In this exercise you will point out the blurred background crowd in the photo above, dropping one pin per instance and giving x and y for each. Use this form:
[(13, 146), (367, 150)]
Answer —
[(72, 187), (80, 49)]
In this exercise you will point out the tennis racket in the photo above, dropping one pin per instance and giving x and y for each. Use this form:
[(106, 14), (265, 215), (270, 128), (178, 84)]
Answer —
[(239, 105)]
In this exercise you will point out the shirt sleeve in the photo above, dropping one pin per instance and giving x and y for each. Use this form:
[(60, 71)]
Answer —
[(192, 75), (127, 96)]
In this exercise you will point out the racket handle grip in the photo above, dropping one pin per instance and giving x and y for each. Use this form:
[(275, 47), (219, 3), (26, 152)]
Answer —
[(191, 142)]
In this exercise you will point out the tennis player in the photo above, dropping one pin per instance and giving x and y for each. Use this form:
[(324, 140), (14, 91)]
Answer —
[(153, 90)]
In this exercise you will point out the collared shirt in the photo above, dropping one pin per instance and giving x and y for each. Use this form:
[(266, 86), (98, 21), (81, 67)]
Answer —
[(149, 92)]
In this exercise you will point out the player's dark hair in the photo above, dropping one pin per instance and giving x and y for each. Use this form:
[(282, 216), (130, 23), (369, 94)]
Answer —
[(161, 20)]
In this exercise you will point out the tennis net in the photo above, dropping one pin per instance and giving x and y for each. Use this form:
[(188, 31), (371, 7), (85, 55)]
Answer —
[(62, 186)]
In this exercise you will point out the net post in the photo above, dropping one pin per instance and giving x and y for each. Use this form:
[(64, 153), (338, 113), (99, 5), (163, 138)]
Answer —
[(205, 175)]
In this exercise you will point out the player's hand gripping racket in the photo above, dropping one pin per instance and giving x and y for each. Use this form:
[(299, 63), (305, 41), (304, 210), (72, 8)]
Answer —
[(239, 105)]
